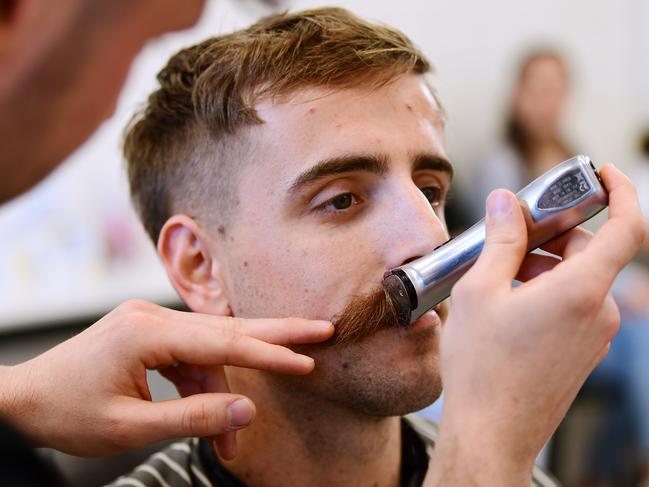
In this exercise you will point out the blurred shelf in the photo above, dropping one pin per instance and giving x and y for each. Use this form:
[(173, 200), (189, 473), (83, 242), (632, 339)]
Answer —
[(62, 308)]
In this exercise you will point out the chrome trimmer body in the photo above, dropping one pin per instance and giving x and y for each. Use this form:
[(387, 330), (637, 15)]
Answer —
[(562, 198)]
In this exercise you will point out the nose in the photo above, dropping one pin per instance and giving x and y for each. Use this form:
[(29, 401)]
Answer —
[(412, 227)]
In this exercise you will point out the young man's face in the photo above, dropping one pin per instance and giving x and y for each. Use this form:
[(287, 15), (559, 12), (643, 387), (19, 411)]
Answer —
[(344, 186)]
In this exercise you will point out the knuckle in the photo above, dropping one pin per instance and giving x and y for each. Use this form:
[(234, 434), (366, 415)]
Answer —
[(583, 239), (639, 231), (199, 420), (293, 321), (604, 352), (293, 325), (584, 299), (136, 313), (230, 338), (234, 329), (612, 324), (133, 305), (583, 304), (505, 236)]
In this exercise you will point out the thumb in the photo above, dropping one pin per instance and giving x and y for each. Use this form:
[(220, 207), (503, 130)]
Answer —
[(200, 415), (505, 241)]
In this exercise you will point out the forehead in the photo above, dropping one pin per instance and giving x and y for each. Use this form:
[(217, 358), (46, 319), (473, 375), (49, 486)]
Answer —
[(400, 119), (544, 68)]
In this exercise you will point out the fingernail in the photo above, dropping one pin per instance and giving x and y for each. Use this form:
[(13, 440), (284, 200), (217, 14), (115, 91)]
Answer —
[(306, 359), (240, 413), (499, 205), (325, 325)]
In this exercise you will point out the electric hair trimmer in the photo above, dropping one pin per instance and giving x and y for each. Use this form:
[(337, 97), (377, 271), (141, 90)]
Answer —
[(562, 198)]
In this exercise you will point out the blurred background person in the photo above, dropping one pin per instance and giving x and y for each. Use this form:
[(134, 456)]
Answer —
[(533, 141)]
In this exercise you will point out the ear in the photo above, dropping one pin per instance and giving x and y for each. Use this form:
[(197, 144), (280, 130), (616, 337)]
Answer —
[(191, 266)]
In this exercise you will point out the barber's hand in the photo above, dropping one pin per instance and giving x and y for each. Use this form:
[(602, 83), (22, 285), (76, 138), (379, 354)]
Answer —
[(513, 358), (89, 396)]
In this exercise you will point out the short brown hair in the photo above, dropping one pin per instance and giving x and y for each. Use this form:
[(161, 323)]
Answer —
[(644, 144), (180, 148)]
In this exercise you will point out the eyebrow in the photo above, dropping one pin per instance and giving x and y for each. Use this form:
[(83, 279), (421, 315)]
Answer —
[(434, 163), (372, 163)]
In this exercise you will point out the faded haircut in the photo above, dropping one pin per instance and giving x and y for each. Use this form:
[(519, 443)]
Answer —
[(187, 145)]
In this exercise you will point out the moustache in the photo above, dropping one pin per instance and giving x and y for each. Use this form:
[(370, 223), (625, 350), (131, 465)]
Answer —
[(364, 315)]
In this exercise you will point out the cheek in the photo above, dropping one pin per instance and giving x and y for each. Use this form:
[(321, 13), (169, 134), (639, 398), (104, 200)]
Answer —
[(293, 275), (278, 279)]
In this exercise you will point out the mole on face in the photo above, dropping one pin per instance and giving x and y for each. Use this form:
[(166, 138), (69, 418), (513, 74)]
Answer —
[(409, 107), (221, 230)]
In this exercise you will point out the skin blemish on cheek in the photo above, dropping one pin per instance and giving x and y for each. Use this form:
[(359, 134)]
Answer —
[(311, 110), (245, 263), (345, 365), (221, 230), (409, 107)]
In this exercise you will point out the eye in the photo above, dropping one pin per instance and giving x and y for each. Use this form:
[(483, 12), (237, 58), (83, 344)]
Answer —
[(433, 194), (341, 204), (342, 201)]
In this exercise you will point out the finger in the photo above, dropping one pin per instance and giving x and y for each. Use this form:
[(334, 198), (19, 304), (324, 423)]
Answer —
[(616, 242), (201, 415), (201, 345), (226, 445), (602, 354), (613, 317), (603, 327), (195, 379), (184, 386), (505, 241), (280, 331), (535, 264), (215, 380), (287, 331), (568, 243)]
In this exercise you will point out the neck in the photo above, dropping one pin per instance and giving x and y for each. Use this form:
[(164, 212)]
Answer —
[(321, 443), (545, 155)]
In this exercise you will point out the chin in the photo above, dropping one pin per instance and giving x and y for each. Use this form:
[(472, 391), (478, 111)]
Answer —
[(390, 373)]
